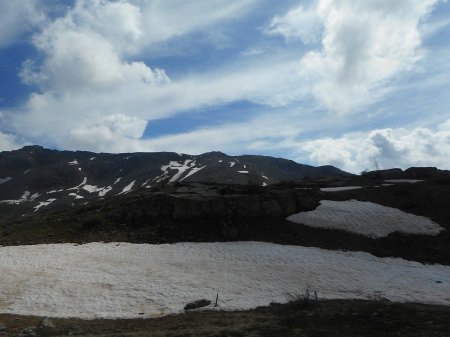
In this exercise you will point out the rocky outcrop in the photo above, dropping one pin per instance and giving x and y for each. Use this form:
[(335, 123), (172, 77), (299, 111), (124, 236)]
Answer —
[(410, 173), (197, 304), (206, 201)]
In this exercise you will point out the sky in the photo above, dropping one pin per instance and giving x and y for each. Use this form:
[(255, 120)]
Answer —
[(358, 84)]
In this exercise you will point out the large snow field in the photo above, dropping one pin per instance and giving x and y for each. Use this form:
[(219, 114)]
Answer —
[(365, 218), (127, 280)]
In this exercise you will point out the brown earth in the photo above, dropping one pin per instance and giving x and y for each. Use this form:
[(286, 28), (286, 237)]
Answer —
[(336, 318)]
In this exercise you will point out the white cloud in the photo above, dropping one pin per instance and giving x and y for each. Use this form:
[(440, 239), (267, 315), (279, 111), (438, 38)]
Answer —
[(18, 17), (365, 44), (8, 142), (168, 19), (84, 49), (95, 93), (117, 133), (86, 76), (299, 23), (388, 148), (59, 114)]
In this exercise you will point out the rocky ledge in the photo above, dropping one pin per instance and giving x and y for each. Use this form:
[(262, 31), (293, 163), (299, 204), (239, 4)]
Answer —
[(191, 201)]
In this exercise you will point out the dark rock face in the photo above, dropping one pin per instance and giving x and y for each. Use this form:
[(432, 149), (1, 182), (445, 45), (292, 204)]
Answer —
[(410, 173), (205, 201), (197, 304), (394, 173)]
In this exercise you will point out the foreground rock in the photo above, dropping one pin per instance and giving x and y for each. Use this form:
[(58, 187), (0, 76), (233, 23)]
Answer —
[(197, 304), (47, 324)]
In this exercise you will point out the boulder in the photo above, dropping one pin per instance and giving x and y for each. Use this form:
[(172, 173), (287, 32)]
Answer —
[(28, 332), (197, 304), (47, 324)]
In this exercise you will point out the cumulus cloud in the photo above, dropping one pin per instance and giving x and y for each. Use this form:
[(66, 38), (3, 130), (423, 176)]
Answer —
[(18, 17), (8, 142), (364, 45), (89, 72), (386, 148), (85, 48)]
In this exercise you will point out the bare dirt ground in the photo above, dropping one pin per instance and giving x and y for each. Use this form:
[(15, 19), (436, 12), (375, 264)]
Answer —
[(335, 318)]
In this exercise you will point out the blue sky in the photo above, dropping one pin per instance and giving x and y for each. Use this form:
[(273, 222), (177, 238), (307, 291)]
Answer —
[(352, 83)]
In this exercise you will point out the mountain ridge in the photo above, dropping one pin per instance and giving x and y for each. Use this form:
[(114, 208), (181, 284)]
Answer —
[(34, 178)]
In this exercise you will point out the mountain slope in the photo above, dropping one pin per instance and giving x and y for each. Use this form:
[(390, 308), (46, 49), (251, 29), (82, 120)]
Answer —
[(33, 178)]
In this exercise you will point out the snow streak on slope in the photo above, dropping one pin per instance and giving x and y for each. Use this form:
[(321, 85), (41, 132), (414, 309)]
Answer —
[(182, 167), (342, 188), (79, 186), (365, 218), (43, 204), (26, 196), (411, 181), (122, 280), (5, 180), (102, 191), (128, 188)]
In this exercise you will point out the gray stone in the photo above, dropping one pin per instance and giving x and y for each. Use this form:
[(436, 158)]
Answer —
[(48, 324), (28, 332)]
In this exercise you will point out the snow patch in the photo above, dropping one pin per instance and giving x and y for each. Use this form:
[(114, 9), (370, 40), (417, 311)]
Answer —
[(26, 196), (92, 158), (102, 191), (243, 172), (264, 184), (365, 218), (411, 181), (75, 162), (263, 176), (193, 171), (34, 196), (76, 196), (145, 183), (342, 188), (79, 186), (5, 180), (117, 180), (43, 204), (54, 191), (111, 280), (128, 188), (232, 163), (182, 167)]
